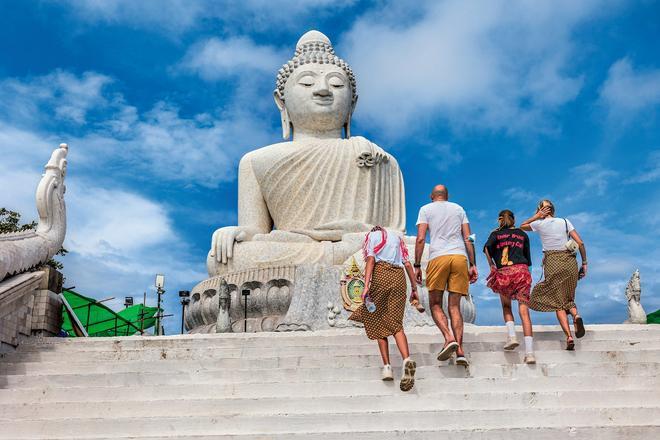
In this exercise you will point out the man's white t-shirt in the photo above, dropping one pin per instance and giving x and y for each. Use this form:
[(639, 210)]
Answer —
[(390, 253), (552, 231), (445, 220)]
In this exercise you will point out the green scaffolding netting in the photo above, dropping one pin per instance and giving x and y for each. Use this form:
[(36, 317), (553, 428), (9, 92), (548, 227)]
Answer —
[(100, 320), (653, 318)]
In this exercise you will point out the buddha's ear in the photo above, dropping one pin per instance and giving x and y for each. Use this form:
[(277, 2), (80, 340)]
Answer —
[(347, 124), (279, 102), (284, 115)]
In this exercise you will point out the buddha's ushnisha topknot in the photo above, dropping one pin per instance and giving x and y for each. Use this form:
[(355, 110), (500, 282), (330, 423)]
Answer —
[(313, 47)]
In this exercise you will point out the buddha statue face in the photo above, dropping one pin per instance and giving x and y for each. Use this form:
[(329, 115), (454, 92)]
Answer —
[(315, 90), (318, 98)]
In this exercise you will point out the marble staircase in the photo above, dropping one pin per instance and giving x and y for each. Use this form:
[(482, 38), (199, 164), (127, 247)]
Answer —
[(326, 385)]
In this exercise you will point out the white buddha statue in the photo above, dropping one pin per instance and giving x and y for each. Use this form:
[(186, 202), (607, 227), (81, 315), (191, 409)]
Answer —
[(310, 199)]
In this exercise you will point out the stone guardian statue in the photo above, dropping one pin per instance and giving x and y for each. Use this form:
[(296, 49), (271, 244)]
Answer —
[(636, 313), (20, 251), (223, 324)]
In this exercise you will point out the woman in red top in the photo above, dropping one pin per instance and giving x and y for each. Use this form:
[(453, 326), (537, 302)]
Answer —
[(507, 253)]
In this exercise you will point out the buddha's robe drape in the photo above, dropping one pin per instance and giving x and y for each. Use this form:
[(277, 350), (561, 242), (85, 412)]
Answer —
[(309, 184)]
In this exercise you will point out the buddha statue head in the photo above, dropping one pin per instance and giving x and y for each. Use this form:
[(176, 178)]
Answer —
[(315, 90)]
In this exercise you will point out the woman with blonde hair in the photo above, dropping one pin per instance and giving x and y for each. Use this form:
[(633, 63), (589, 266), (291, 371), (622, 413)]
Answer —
[(556, 293), (507, 253), (386, 256)]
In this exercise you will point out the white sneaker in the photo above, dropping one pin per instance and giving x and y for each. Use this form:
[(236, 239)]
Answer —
[(511, 343), (462, 361), (387, 373), (530, 359)]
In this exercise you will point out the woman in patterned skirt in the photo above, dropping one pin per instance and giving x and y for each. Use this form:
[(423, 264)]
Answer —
[(507, 253), (385, 255), (556, 293)]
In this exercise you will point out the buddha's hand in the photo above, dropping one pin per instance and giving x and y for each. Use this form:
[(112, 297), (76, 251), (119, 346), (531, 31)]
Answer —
[(222, 243)]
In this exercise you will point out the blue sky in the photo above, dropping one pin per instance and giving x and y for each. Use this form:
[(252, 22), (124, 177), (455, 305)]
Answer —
[(505, 102)]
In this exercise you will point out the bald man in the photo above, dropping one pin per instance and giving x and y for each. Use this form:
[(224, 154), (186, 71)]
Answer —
[(451, 265)]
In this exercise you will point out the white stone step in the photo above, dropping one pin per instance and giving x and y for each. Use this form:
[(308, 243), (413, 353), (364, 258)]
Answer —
[(424, 386), (477, 359), (437, 422), (326, 385), (570, 373), (251, 352), (464, 433), (513, 371), (342, 337), (353, 405)]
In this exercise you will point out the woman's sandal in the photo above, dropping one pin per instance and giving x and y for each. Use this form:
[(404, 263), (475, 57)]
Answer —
[(570, 344), (417, 305), (579, 327)]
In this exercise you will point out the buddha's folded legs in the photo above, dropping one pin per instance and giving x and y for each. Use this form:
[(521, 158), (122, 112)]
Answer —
[(261, 253)]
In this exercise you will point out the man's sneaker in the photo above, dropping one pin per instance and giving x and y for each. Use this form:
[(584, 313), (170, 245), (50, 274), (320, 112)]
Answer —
[(387, 373), (408, 378), (462, 361), (530, 359), (447, 351), (511, 343)]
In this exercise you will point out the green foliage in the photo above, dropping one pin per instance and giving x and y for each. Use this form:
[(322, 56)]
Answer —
[(10, 221)]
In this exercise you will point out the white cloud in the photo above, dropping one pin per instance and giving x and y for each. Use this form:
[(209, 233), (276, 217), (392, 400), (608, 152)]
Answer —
[(496, 65), (651, 170), (104, 221), (215, 58), (592, 178), (172, 15), (627, 91), (68, 97), (202, 149), (168, 16), (118, 239), (101, 221), (443, 156), (519, 195)]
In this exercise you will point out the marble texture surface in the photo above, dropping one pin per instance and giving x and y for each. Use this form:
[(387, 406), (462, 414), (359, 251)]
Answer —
[(301, 200)]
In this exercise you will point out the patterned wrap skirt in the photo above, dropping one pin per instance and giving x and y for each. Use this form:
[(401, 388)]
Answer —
[(512, 281), (388, 292), (557, 290)]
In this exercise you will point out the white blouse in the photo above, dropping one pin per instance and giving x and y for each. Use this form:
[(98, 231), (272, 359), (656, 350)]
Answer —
[(390, 253)]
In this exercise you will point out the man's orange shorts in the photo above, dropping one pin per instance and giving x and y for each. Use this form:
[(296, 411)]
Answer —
[(448, 272)]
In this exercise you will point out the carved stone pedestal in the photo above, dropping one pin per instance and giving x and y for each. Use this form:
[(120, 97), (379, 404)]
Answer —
[(289, 298), (30, 306)]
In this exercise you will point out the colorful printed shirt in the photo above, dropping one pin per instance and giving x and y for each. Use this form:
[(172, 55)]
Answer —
[(508, 247)]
